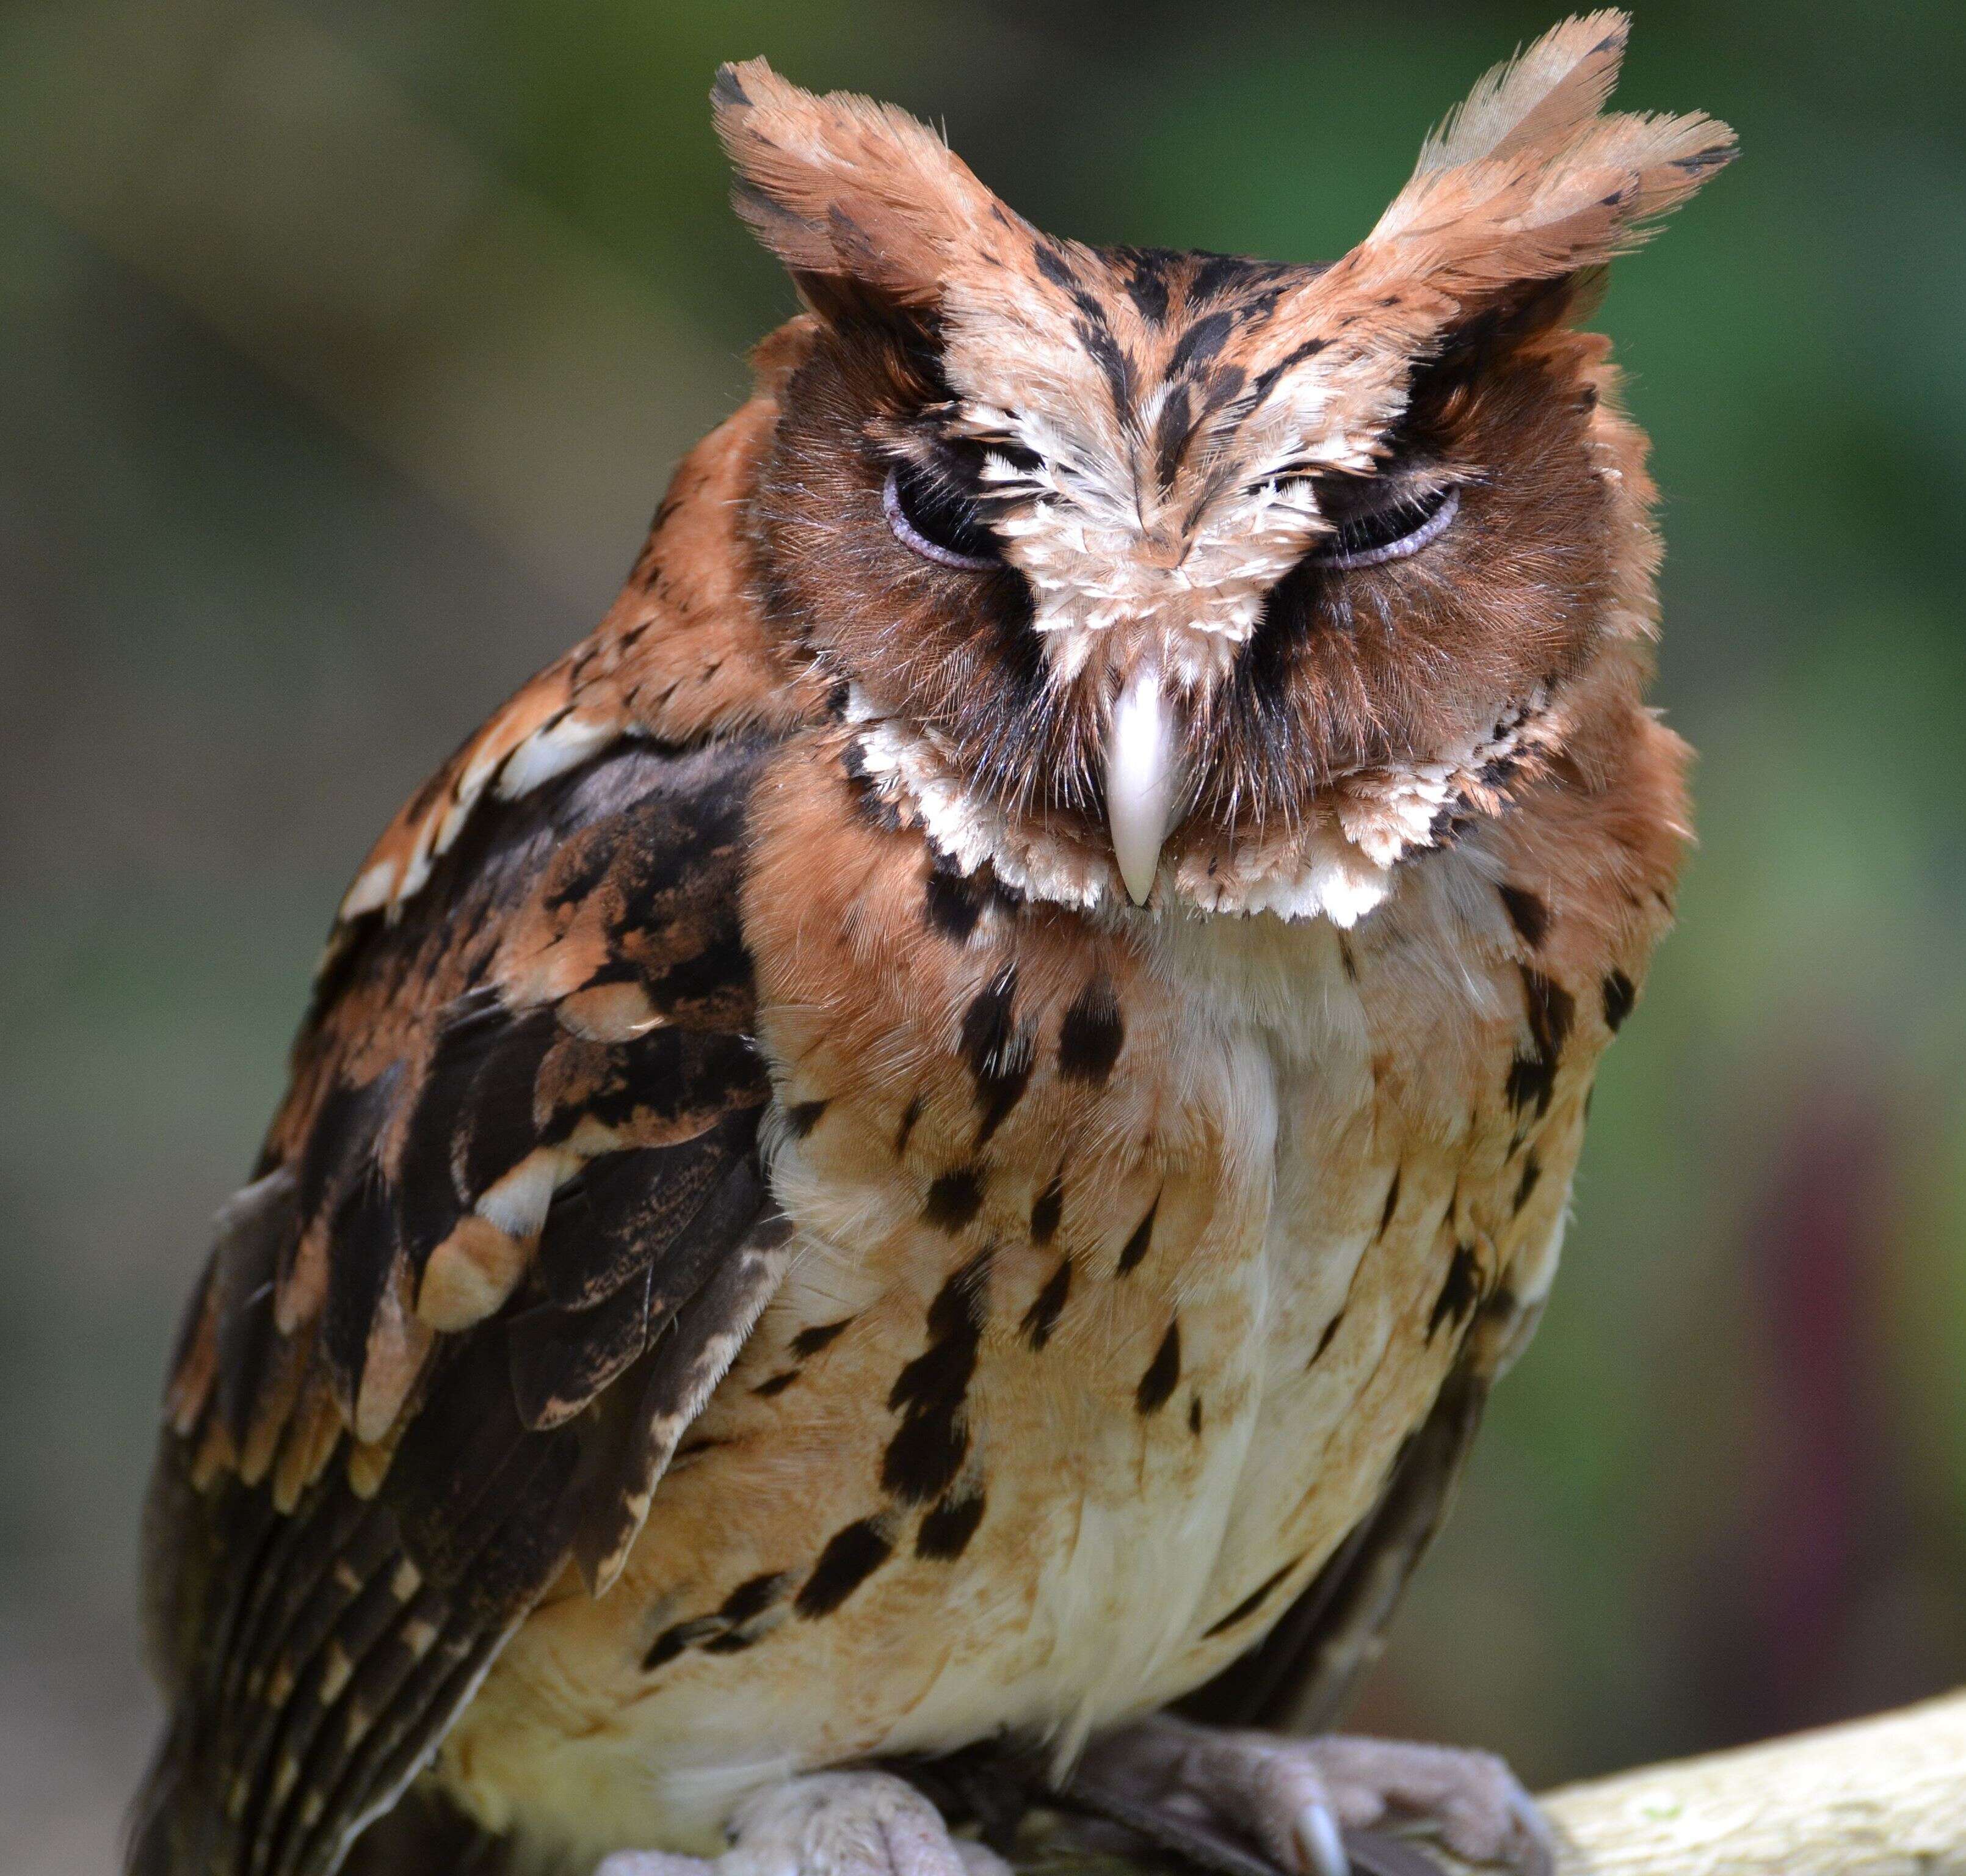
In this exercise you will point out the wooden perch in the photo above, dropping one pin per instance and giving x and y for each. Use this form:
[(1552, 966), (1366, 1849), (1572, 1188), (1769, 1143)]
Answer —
[(1877, 1797), (1885, 1796)]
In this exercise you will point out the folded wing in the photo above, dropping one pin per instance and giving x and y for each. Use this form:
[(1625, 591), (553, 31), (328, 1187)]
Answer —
[(508, 1230)]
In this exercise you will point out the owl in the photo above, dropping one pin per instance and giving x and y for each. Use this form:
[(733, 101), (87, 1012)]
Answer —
[(906, 1177)]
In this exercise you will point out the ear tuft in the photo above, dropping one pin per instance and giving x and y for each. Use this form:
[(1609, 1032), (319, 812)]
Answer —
[(841, 187), (1558, 85), (1527, 181)]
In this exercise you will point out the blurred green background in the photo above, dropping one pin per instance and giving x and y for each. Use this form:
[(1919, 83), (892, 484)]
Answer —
[(344, 349)]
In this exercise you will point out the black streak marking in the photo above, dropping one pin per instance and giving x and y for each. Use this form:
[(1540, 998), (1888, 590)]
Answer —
[(1532, 1078), (1091, 1034), (1532, 1171), (951, 903), (1137, 1247), (1251, 1602), (1266, 380), (1163, 1372), (1048, 1209), (666, 1647), (678, 1636), (731, 1641), (910, 1115), (1041, 1317), (1107, 354), (850, 1557), (776, 1384), (1147, 288), (804, 1117), (1458, 1294), (1392, 1204), (1527, 913), (811, 1341), (1194, 1415), (1053, 266), (1325, 1340), (947, 1527), (954, 1199), (753, 1596), (1170, 434), (1221, 386), (999, 1054), (1218, 272), (1200, 342), (928, 1449), (1619, 995)]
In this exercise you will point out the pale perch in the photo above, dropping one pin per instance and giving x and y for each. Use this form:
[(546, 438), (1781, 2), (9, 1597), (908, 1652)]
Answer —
[(1885, 1796), (1882, 1796)]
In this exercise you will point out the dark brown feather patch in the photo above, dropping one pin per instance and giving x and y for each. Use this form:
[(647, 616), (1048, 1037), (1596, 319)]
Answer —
[(315, 1656), (1163, 1373)]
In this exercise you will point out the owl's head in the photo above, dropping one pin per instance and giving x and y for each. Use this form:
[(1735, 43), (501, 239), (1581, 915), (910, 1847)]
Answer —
[(1181, 577)]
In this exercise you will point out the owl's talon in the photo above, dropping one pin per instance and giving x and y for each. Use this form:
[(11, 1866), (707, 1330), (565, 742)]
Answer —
[(1322, 1847), (1537, 1857), (1300, 1798), (839, 1823)]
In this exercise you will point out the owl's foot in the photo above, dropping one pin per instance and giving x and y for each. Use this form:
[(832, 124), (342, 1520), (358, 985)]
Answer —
[(1305, 1803), (835, 1823)]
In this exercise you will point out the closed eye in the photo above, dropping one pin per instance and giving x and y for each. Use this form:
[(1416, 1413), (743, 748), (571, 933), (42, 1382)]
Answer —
[(1392, 531), (931, 516)]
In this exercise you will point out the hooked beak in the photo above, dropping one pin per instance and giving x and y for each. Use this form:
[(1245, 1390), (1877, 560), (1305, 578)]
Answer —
[(1141, 776)]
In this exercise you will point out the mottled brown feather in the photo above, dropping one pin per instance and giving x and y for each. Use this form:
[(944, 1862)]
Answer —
[(435, 1063)]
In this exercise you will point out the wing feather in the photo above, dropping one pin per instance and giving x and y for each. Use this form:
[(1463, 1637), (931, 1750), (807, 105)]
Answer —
[(508, 1230)]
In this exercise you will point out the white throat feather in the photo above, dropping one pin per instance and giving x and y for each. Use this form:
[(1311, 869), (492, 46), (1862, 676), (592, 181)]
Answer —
[(1336, 862)]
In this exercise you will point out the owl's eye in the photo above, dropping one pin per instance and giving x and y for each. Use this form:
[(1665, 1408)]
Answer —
[(931, 516), (1390, 529)]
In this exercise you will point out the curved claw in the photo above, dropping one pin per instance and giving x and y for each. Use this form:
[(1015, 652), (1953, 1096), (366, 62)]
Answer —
[(1321, 1842), (1539, 1853)]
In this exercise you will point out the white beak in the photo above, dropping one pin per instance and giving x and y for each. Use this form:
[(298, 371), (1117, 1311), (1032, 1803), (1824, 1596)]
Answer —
[(1141, 779)]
